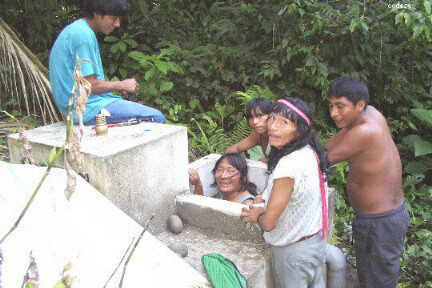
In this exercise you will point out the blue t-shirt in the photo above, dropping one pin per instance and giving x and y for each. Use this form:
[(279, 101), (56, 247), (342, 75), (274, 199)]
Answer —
[(77, 40)]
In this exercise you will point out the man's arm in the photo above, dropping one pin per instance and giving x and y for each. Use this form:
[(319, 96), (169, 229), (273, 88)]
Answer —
[(101, 86), (347, 143), (246, 143)]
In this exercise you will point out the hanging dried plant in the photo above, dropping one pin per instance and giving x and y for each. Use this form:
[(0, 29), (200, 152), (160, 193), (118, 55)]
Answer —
[(78, 99), (81, 90)]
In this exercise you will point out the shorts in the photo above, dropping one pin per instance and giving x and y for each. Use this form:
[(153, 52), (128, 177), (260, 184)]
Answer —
[(123, 110), (379, 242), (300, 264)]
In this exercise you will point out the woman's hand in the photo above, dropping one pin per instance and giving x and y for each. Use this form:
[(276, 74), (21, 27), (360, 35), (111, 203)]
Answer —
[(252, 213), (194, 178)]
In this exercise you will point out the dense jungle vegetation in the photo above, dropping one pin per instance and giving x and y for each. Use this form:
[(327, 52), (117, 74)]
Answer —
[(200, 61)]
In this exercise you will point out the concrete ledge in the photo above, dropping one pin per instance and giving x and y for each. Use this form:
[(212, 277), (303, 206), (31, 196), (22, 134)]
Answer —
[(216, 217), (140, 168)]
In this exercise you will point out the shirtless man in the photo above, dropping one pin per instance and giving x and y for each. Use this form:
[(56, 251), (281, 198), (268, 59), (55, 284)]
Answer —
[(374, 182)]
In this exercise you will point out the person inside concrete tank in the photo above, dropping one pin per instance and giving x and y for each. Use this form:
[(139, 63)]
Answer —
[(257, 112), (231, 179), (294, 218)]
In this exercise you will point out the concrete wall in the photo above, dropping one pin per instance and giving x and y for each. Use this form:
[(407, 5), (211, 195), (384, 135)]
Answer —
[(140, 168), (217, 217)]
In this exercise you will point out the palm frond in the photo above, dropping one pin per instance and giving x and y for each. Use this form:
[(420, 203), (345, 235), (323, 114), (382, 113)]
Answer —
[(255, 91), (23, 79)]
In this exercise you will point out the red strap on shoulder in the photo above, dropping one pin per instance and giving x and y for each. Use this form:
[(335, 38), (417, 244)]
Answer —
[(323, 201)]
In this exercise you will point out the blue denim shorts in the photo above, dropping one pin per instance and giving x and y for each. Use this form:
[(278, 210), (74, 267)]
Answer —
[(123, 110)]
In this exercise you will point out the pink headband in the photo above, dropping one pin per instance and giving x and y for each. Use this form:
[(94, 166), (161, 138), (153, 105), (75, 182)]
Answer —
[(298, 111)]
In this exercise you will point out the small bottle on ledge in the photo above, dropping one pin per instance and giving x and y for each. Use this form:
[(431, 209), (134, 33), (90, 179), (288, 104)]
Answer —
[(101, 125)]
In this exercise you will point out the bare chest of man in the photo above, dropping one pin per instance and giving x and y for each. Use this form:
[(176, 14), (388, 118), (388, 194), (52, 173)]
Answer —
[(374, 190)]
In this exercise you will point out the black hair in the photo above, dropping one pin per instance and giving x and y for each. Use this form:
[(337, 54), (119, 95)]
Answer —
[(105, 7), (351, 88), (238, 162), (263, 104), (306, 135)]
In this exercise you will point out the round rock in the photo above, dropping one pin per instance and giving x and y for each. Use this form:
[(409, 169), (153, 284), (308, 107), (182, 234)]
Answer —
[(175, 224)]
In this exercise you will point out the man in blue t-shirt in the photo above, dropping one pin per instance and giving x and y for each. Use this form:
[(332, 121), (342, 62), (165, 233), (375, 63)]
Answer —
[(78, 40)]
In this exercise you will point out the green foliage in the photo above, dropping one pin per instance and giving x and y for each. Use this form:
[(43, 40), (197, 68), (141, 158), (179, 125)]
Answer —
[(39, 22), (209, 137), (256, 91), (343, 212), (156, 69), (418, 190), (151, 71)]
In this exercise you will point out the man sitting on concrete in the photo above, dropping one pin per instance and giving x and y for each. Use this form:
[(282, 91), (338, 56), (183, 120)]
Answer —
[(78, 39)]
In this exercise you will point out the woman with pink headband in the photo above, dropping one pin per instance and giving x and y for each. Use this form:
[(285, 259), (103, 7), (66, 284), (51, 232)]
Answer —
[(294, 219)]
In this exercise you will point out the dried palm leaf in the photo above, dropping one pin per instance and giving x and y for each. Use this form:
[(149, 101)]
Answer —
[(24, 81), (78, 99), (81, 90)]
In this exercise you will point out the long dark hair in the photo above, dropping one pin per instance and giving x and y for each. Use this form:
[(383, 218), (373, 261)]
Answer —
[(306, 135), (238, 162), (263, 104)]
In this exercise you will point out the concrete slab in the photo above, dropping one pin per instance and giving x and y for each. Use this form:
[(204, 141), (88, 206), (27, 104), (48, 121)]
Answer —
[(217, 217), (252, 260), (88, 232), (124, 165)]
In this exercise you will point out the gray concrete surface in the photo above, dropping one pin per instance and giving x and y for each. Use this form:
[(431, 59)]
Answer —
[(250, 258), (88, 232), (126, 165), (217, 217)]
